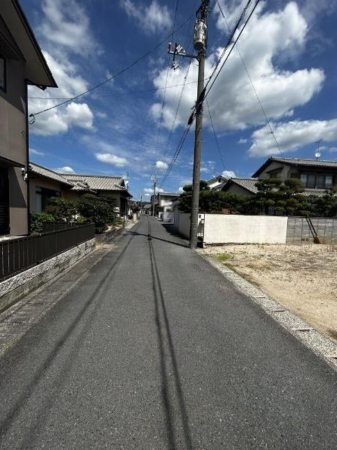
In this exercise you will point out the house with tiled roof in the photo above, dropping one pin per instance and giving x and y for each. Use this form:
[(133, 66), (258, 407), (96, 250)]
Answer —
[(317, 175), (45, 183), (114, 188), (241, 186)]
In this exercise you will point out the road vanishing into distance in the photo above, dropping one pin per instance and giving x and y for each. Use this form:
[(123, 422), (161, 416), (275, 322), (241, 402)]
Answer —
[(154, 349)]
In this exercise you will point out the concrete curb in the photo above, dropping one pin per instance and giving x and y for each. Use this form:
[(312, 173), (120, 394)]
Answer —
[(311, 338)]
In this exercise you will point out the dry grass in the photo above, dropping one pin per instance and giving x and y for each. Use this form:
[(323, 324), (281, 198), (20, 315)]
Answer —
[(302, 278)]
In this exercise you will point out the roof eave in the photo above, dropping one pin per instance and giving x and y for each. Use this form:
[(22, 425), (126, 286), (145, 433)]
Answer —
[(38, 51)]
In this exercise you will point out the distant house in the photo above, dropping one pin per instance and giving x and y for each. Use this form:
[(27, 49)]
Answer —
[(216, 183), (241, 186), (21, 63), (45, 184), (104, 186), (163, 202), (316, 175)]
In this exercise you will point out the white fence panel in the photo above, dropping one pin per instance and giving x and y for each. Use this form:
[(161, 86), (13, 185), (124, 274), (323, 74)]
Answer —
[(237, 229)]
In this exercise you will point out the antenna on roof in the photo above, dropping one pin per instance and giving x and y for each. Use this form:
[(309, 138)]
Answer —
[(318, 153)]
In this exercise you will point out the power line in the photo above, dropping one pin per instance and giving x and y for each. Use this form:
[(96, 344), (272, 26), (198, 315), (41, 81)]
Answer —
[(121, 93), (232, 48), (215, 136), (176, 154), (125, 69), (252, 84)]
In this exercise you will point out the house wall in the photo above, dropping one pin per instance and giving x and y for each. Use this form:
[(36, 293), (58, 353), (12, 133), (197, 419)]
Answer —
[(274, 165), (18, 202), (13, 114), (34, 183), (225, 229), (13, 146)]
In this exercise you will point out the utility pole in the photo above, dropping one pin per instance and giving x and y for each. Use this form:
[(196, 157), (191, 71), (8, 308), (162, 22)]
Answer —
[(200, 45), (154, 179)]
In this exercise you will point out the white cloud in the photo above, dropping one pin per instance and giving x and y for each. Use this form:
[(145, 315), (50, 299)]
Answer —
[(150, 190), (101, 115), (161, 165), (60, 119), (150, 18), (228, 174), (65, 169), (204, 170), (180, 189), (236, 107), (291, 136), (79, 114), (66, 23), (242, 141), (33, 151), (109, 158)]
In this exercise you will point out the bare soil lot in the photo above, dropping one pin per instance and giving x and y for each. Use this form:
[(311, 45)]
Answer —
[(303, 278)]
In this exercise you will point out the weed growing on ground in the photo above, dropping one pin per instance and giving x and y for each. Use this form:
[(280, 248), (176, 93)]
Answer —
[(223, 257)]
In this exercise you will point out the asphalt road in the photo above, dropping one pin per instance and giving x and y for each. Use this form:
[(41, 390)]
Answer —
[(156, 350)]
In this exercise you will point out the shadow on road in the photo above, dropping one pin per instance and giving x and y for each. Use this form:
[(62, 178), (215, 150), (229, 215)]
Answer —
[(174, 413), (42, 415), (169, 229)]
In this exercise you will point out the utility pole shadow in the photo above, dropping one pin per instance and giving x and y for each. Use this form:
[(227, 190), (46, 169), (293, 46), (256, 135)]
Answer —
[(165, 343)]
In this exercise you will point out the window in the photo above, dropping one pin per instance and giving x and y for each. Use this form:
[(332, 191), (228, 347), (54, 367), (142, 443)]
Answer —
[(2, 73), (276, 173), (43, 195), (316, 181)]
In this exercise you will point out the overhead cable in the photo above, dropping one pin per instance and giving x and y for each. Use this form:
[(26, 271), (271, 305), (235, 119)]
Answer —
[(253, 87), (215, 136), (125, 69)]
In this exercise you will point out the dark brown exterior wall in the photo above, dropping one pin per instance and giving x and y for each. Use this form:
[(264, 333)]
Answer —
[(13, 146)]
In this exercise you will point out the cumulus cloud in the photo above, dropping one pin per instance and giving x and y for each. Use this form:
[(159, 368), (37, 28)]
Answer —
[(66, 23), (79, 114), (161, 165), (232, 101), (65, 169), (291, 136), (150, 18), (109, 158), (228, 174), (60, 119)]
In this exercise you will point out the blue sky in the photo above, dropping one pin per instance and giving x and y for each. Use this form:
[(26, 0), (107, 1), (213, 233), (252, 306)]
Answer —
[(131, 126)]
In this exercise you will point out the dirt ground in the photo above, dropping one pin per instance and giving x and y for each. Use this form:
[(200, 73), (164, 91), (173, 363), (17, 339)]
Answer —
[(303, 278)]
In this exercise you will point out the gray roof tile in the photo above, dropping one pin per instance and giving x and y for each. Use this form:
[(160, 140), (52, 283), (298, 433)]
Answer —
[(44, 172), (97, 182)]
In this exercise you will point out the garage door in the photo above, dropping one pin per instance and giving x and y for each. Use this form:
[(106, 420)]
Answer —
[(4, 201)]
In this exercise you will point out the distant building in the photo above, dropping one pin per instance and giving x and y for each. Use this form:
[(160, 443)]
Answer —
[(21, 63), (316, 175)]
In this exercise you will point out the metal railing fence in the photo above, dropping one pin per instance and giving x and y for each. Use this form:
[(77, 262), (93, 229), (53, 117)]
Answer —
[(17, 255)]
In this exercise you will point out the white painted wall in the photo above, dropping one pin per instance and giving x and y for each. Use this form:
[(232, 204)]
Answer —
[(182, 223), (237, 229)]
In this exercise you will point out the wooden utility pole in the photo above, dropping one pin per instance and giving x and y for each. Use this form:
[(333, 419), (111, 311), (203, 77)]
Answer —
[(200, 44)]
